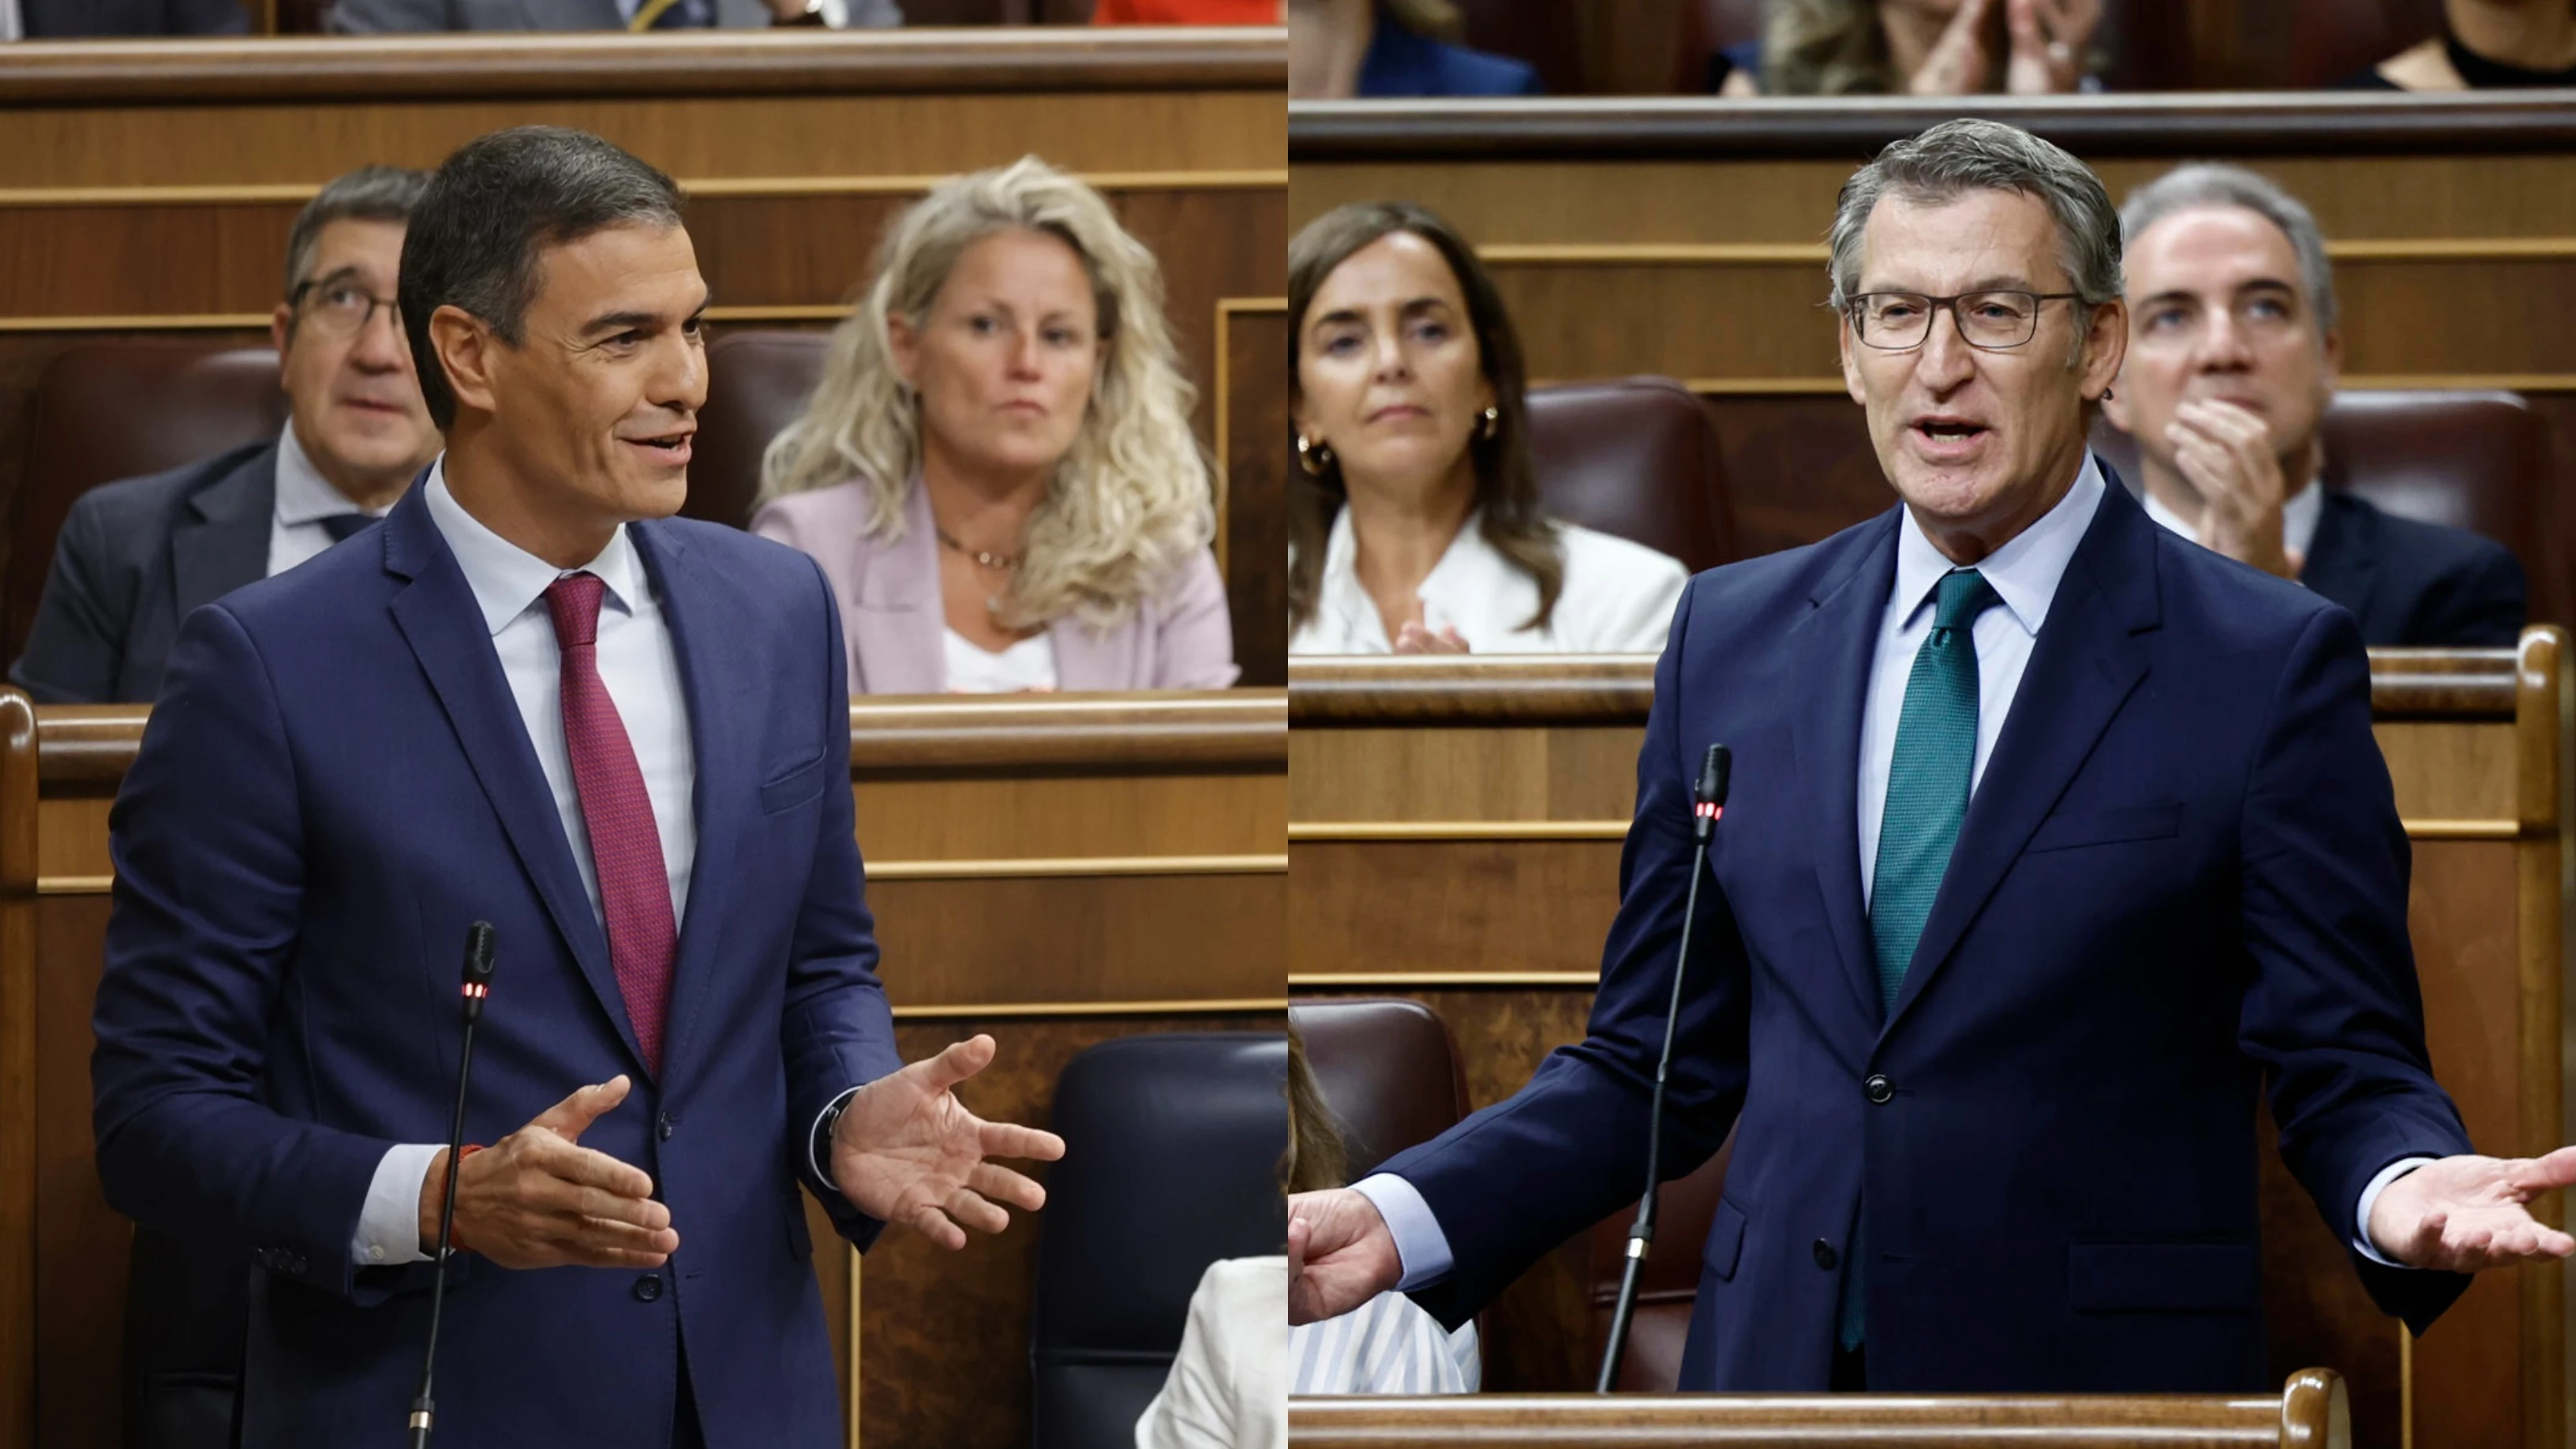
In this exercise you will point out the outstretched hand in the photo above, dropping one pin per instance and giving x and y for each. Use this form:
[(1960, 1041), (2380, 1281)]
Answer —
[(1340, 1254), (2466, 1213), (906, 1150)]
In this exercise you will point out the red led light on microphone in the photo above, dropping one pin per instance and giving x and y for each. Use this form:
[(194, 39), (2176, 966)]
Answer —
[(477, 990), (1708, 811)]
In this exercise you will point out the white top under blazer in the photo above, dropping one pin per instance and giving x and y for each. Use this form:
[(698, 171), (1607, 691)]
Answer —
[(1618, 598)]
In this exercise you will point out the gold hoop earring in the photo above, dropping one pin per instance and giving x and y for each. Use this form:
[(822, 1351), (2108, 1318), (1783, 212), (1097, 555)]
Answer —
[(1489, 423), (1313, 458)]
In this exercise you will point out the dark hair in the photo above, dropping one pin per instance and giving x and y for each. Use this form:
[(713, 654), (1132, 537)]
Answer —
[(1509, 514), (488, 212), (370, 193)]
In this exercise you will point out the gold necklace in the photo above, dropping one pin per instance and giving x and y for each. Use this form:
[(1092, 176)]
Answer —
[(1007, 563)]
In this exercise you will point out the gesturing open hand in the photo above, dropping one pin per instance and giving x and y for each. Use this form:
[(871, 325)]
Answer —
[(906, 1150), (2466, 1213)]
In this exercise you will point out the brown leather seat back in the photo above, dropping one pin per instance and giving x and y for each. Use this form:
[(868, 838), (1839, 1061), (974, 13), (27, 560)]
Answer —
[(1670, 1284), (1636, 457), (120, 409), (757, 383), (1389, 1071)]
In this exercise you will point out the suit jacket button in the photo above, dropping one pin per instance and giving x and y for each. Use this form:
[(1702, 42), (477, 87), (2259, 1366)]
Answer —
[(1878, 1089), (668, 1125), (648, 1287), (1825, 1258)]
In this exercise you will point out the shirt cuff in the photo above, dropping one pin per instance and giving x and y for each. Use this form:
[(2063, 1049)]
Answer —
[(389, 1225), (2369, 1196), (814, 1140), (1421, 1249)]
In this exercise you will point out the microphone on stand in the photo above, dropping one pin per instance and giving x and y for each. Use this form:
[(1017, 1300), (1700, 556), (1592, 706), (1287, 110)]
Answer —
[(1708, 802), (478, 985)]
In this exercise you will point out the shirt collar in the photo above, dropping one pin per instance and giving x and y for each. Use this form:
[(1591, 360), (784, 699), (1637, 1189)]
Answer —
[(507, 580), (2024, 572), (303, 494), (2299, 514)]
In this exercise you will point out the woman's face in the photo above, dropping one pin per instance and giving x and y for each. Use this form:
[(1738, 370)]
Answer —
[(1388, 371), (1005, 357)]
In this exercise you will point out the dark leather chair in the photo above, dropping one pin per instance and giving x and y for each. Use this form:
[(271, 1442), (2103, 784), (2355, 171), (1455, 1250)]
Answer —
[(1387, 1068), (110, 410), (1668, 1287), (757, 383), (1172, 1147), (1636, 457)]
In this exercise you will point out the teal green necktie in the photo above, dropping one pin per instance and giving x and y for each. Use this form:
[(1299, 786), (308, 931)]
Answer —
[(1927, 797)]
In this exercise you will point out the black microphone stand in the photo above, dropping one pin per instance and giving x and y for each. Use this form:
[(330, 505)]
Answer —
[(1708, 802), (478, 984)]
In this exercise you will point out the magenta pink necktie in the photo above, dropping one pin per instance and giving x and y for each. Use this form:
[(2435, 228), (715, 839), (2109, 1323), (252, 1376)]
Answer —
[(625, 845)]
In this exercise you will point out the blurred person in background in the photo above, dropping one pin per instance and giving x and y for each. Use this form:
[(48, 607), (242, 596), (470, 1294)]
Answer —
[(1414, 519), (1339, 49), (2233, 353), (62, 19), (2486, 44), (371, 16), (1914, 47), (134, 557), (1239, 1359), (996, 471), (1185, 12)]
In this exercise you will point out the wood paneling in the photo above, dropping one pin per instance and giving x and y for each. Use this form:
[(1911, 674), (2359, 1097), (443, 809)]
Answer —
[(1054, 870), (1252, 398), (1473, 915)]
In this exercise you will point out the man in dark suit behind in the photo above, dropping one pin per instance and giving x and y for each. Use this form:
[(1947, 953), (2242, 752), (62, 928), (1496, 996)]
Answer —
[(2233, 352), (62, 19), (134, 557), (2055, 840)]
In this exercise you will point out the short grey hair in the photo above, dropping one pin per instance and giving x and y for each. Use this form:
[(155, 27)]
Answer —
[(1957, 157), (2209, 184), (370, 193)]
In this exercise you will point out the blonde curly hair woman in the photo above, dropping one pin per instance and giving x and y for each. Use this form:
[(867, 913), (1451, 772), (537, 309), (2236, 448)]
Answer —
[(996, 471)]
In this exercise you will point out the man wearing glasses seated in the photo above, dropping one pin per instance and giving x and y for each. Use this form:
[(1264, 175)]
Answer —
[(136, 556)]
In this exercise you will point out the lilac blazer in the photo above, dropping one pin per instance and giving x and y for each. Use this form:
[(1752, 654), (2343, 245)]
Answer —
[(890, 610)]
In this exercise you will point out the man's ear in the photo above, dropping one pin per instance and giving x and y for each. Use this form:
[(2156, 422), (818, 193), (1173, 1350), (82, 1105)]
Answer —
[(2106, 348), (1851, 361), (2332, 376), (281, 335), (464, 346)]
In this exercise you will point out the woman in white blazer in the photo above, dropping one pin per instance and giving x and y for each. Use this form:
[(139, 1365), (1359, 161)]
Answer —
[(1414, 517)]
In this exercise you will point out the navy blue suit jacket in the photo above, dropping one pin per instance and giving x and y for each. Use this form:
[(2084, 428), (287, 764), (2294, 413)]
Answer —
[(2412, 583), (51, 18), (335, 782), (2182, 876), (1401, 63)]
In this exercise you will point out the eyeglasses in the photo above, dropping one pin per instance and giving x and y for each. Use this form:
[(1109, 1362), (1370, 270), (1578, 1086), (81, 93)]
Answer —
[(341, 308), (1993, 321)]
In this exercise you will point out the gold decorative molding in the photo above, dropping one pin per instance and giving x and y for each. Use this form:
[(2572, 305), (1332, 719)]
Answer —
[(969, 1010), (1412, 980), (296, 193), (1226, 310), (1385, 831), (1078, 865), (2435, 828), (74, 885)]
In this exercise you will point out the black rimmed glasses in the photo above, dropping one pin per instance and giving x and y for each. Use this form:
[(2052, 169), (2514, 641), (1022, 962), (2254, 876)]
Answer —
[(1993, 321), (340, 308)]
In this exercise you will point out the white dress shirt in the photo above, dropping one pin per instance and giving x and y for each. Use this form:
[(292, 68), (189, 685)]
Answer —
[(11, 27), (1228, 1387), (974, 669), (1388, 1345), (1618, 598), (2024, 574), (642, 674), (304, 499), (2299, 514)]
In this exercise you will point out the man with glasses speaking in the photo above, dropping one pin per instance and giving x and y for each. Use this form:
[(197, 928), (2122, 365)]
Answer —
[(134, 557), (2055, 842)]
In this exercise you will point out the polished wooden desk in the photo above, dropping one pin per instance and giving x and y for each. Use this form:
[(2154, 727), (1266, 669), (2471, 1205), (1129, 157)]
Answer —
[(1686, 238), (2311, 1412), (1454, 835), (1055, 870), (146, 188)]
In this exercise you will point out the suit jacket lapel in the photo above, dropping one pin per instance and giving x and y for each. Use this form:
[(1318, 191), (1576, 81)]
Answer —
[(443, 624), (895, 627), (2083, 666), (702, 611), (1837, 639), (223, 543), (2343, 558)]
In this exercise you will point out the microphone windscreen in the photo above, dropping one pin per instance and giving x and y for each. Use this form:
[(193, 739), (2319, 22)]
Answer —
[(478, 952), (1714, 768)]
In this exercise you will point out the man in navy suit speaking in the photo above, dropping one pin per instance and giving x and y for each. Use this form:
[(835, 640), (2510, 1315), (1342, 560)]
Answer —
[(2054, 837), (531, 697)]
